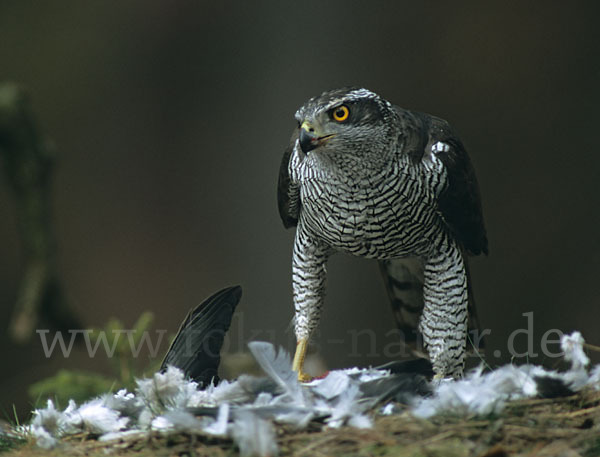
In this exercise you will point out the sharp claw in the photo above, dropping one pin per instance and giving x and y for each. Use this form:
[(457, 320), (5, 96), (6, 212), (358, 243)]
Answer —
[(303, 377)]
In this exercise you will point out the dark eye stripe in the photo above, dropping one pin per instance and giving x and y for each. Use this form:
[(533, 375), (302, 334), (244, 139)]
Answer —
[(360, 112)]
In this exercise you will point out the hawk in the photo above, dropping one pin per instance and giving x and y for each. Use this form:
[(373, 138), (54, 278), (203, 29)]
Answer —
[(368, 178)]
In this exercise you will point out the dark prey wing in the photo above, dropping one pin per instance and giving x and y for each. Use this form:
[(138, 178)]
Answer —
[(196, 349), (288, 195), (460, 203)]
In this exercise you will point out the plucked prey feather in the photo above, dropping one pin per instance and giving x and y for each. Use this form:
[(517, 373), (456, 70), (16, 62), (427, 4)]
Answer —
[(196, 349)]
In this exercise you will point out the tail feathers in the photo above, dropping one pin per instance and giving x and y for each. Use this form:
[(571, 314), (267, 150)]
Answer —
[(196, 348), (476, 343), (403, 279)]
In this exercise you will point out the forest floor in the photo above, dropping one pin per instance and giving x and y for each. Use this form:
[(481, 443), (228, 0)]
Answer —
[(566, 427)]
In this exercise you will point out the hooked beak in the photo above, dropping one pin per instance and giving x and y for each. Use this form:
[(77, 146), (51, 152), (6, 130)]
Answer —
[(309, 137)]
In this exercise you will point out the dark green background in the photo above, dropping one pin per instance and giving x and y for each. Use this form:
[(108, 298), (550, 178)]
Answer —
[(171, 117)]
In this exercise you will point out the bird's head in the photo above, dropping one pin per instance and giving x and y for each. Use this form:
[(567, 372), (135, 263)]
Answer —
[(347, 126)]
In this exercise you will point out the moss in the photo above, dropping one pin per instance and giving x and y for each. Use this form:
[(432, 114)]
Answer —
[(68, 384), (81, 385)]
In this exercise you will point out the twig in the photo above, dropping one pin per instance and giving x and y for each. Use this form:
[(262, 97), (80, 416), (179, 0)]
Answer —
[(435, 438), (315, 444), (591, 347), (571, 414)]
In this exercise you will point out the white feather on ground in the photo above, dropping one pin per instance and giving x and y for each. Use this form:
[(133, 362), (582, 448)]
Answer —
[(219, 426), (94, 417), (485, 393), (253, 435), (47, 425), (278, 367), (332, 385), (246, 409), (347, 408)]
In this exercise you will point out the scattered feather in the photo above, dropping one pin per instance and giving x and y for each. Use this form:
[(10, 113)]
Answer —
[(483, 394), (124, 402), (96, 418), (572, 346), (551, 387), (123, 435), (360, 421), (182, 421), (162, 424), (219, 426), (388, 409), (48, 419), (479, 393), (167, 389), (254, 436), (246, 409), (366, 374), (43, 438), (594, 379), (332, 385), (346, 407), (298, 417), (278, 367)]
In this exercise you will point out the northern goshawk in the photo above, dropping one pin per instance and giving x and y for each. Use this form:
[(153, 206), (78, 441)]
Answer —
[(368, 178)]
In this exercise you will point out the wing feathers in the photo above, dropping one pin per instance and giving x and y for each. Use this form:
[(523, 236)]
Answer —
[(197, 345), (288, 197)]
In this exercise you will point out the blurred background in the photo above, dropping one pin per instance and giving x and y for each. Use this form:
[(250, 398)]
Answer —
[(170, 119)]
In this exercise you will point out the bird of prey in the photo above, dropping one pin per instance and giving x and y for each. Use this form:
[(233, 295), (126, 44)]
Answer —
[(368, 178)]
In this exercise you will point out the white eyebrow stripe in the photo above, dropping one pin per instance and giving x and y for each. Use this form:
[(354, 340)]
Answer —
[(333, 103), (361, 93), (350, 97)]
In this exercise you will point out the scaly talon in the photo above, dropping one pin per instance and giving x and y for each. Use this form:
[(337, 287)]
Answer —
[(298, 363), (303, 377)]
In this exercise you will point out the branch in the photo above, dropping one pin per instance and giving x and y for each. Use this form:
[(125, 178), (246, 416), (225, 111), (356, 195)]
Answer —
[(28, 165)]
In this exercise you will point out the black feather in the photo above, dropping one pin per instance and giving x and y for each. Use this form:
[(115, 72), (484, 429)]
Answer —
[(408, 378), (418, 366), (196, 349), (549, 387), (460, 203), (401, 387), (288, 200)]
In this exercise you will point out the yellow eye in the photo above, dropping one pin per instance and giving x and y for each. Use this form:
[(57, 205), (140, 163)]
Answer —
[(341, 113)]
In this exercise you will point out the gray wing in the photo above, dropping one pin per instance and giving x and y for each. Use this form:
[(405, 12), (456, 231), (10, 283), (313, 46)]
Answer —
[(288, 195), (460, 202)]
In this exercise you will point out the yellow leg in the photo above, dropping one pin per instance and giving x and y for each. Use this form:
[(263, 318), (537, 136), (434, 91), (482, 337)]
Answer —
[(298, 363)]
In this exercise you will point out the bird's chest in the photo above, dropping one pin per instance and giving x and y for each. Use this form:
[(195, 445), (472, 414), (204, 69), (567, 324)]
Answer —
[(364, 218), (338, 208)]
